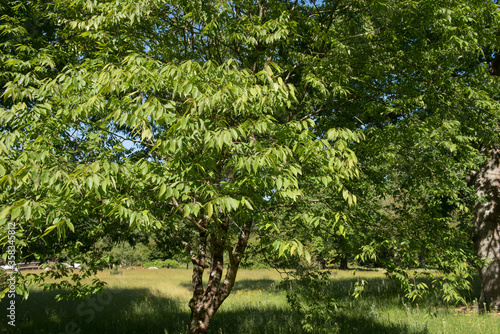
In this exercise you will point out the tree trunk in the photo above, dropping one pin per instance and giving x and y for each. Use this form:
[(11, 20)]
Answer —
[(201, 315), (207, 300), (344, 265), (487, 229)]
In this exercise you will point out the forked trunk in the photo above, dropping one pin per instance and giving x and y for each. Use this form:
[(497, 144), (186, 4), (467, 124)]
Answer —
[(207, 300), (200, 319), (487, 229)]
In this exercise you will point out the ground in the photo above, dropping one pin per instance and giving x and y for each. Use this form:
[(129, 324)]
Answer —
[(155, 301)]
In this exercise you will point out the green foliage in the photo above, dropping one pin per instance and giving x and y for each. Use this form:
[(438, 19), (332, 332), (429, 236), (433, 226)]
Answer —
[(257, 256), (125, 255), (420, 96), (162, 264), (346, 125), (3, 280), (308, 295), (213, 139)]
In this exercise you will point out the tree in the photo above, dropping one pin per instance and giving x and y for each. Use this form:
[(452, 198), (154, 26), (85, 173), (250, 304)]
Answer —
[(419, 88), (486, 229), (219, 134), (249, 111), (415, 79)]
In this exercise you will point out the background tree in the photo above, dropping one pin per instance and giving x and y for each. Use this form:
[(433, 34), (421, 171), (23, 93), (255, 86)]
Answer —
[(415, 80)]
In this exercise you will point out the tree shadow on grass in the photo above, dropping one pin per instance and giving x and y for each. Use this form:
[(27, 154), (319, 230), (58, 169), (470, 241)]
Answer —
[(368, 313), (253, 319), (348, 324), (249, 284), (268, 285), (130, 311), (385, 290), (113, 311), (263, 321)]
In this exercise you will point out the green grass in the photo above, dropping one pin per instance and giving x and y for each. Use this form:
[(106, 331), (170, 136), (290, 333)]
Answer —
[(382, 309), (155, 301)]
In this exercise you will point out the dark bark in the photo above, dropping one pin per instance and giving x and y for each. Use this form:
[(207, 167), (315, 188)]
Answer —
[(344, 263), (495, 65), (206, 301), (487, 228)]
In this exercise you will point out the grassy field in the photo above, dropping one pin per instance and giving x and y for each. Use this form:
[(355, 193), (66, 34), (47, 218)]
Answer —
[(155, 301)]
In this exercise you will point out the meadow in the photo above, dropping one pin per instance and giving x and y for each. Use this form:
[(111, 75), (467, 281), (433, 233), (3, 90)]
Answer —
[(155, 301)]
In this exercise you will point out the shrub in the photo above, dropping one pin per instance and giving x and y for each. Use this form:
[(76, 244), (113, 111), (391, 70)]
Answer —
[(171, 264), (308, 295), (126, 255), (162, 264)]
